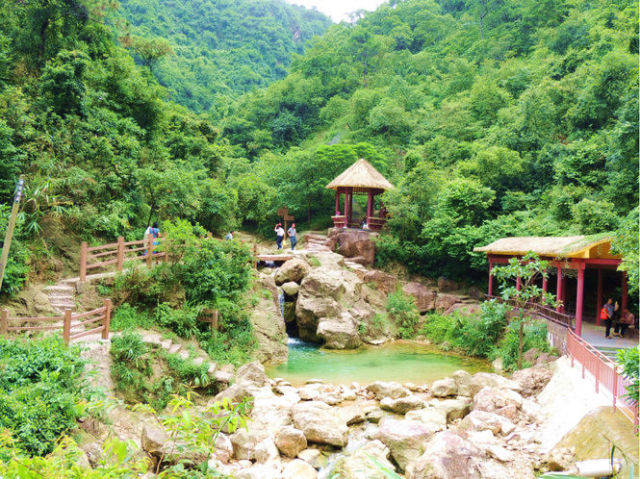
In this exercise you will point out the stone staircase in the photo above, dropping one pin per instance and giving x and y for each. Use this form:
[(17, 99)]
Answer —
[(62, 296), (315, 242)]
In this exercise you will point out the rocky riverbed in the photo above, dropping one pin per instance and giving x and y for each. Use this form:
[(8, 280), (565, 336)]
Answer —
[(464, 426)]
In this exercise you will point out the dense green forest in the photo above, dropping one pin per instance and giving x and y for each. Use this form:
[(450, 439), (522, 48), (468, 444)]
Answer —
[(492, 118), (213, 50)]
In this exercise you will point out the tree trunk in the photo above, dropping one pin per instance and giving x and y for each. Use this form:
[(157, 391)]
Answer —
[(520, 342)]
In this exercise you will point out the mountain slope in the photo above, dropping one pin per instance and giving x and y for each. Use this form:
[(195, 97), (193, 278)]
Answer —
[(222, 47)]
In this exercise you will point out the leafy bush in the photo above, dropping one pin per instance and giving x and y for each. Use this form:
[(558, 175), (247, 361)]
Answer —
[(630, 362), (126, 316), (534, 336), (41, 392), (182, 321), (402, 310)]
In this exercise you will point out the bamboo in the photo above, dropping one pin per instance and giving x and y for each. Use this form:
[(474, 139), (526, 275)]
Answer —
[(107, 319), (10, 227), (66, 327), (4, 322)]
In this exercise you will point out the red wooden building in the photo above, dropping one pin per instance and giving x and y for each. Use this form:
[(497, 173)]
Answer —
[(360, 178), (582, 267)]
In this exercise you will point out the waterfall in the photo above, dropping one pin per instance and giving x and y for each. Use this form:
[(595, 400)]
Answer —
[(281, 302)]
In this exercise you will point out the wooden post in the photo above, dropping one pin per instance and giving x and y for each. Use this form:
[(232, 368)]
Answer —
[(149, 241), (545, 284), (4, 258), (369, 205), (559, 290), (255, 255), (490, 289), (337, 201), (599, 298), (518, 283), (83, 261), (4, 322), (120, 262), (625, 292), (107, 319), (66, 327), (214, 320), (579, 299)]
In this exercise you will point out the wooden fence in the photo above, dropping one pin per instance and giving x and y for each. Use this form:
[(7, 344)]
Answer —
[(73, 325), (542, 311), (604, 371), (97, 257)]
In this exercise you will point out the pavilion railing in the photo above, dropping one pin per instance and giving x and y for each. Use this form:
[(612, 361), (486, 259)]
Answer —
[(542, 311)]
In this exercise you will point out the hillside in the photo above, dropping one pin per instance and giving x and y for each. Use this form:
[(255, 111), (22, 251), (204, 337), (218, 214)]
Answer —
[(492, 119), (221, 48)]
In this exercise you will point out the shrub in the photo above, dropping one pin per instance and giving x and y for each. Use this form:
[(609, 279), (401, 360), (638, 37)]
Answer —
[(403, 312), (182, 321), (41, 392), (534, 336), (629, 360), (128, 317)]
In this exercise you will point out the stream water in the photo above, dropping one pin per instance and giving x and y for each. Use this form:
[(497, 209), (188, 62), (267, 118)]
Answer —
[(403, 361)]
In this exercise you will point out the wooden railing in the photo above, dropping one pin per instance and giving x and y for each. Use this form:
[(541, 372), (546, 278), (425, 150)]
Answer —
[(604, 371), (541, 311), (97, 257), (69, 323)]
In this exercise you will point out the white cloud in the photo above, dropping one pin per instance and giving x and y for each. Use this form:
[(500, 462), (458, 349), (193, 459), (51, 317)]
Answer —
[(339, 10)]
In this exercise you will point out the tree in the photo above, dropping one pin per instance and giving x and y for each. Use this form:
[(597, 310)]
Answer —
[(518, 285), (149, 49)]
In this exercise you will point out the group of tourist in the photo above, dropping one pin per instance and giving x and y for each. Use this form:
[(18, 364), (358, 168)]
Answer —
[(620, 322), (280, 234)]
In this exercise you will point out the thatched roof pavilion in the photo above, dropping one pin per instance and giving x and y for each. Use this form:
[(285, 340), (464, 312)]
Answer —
[(579, 253), (359, 178)]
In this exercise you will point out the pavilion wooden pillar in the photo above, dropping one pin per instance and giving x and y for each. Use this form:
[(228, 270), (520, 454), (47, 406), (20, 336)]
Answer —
[(490, 289), (625, 292), (545, 284), (599, 298), (559, 283), (579, 299), (369, 204), (337, 201), (348, 204), (518, 283)]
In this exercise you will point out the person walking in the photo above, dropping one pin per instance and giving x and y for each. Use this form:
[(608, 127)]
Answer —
[(626, 320), (154, 232), (293, 236), (229, 236), (279, 235)]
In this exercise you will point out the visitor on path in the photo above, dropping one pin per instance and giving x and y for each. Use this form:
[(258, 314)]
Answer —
[(279, 235), (626, 320), (154, 232), (607, 314), (293, 236), (229, 236)]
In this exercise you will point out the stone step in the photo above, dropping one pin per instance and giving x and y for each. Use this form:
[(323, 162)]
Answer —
[(166, 344), (174, 349), (61, 295), (63, 305), (212, 368), (198, 361), (60, 288)]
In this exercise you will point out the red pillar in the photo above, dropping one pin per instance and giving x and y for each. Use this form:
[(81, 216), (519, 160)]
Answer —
[(625, 292), (348, 205), (490, 290), (337, 201), (518, 283), (559, 289), (369, 205), (579, 299), (599, 298), (545, 284)]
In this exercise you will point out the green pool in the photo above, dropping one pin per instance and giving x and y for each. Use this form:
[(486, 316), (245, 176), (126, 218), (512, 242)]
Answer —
[(398, 361)]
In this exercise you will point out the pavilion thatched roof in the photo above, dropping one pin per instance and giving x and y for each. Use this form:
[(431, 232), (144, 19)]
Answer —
[(552, 246), (361, 176)]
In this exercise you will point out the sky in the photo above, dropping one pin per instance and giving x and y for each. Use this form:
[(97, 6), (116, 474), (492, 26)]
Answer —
[(338, 10)]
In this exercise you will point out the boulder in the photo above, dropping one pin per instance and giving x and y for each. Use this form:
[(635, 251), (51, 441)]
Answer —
[(445, 285), (435, 419), (244, 444), (339, 333), (452, 408), (447, 456), (223, 448), (290, 441), (319, 423), (481, 380), (405, 439), (464, 383), (500, 401), (352, 243), (359, 464), (252, 373), (291, 289), (259, 471), (498, 365), (531, 355), (153, 440), (403, 404), (266, 451), (424, 297), (313, 457), (373, 414), (293, 270), (444, 302), (299, 469), (390, 389), (486, 421), (532, 380), (443, 388), (269, 330), (236, 392), (385, 282)]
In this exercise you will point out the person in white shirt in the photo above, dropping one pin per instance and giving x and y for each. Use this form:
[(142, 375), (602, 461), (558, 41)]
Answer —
[(279, 235)]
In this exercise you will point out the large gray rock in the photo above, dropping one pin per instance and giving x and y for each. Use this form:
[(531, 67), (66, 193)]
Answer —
[(405, 439), (291, 288), (291, 441), (402, 405), (319, 423), (487, 421), (435, 419), (452, 408), (385, 282), (269, 328), (340, 332), (444, 388), (505, 402), (299, 469), (532, 380), (423, 296), (359, 464), (153, 440), (447, 456), (352, 243), (293, 270), (244, 444), (390, 389), (252, 373)]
